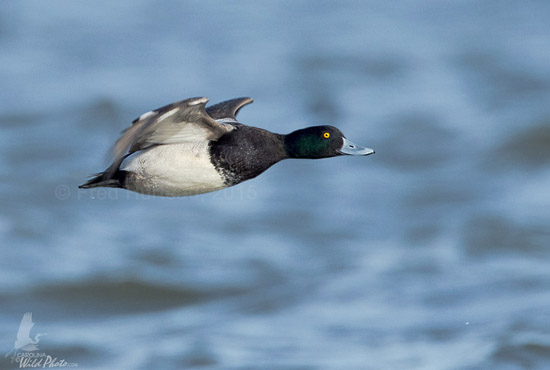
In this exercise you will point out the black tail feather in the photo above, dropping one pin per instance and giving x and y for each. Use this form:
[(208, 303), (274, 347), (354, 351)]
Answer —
[(103, 180)]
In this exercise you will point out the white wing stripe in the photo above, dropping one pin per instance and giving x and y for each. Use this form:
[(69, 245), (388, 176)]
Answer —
[(168, 114), (146, 115)]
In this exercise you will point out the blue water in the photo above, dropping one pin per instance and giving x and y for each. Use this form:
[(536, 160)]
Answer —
[(432, 254)]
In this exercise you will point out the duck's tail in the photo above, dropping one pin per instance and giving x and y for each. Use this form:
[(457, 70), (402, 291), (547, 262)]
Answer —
[(105, 179)]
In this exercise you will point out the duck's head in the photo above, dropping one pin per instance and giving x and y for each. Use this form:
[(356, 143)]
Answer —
[(321, 142)]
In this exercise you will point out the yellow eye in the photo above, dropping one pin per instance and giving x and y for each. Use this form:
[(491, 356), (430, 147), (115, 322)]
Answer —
[(326, 135)]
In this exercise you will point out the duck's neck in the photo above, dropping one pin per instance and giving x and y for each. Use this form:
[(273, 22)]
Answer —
[(298, 146)]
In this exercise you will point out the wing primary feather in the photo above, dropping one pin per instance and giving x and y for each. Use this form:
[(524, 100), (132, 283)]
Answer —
[(228, 109)]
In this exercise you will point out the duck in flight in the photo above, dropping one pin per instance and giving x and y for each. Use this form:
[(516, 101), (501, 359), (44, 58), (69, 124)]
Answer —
[(186, 148)]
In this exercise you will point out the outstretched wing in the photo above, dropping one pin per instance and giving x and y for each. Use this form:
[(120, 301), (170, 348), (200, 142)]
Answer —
[(25, 327), (228, 108), (183, 121)]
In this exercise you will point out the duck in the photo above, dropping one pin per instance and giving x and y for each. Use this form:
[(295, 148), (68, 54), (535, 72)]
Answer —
[(186, 148)]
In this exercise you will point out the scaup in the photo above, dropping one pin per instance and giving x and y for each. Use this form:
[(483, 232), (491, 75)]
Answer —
[(185, 148)]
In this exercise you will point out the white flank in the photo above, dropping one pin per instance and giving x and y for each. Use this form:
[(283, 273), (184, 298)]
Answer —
[(173, 170)]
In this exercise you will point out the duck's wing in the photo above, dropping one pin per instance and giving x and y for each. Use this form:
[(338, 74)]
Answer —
[(180, 122), (228, 109), (183, 121)]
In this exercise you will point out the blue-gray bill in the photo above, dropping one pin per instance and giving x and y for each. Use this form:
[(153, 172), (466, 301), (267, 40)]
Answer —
[(350, 148)]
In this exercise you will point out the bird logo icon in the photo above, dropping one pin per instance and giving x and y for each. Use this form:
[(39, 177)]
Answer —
[(24, 342)]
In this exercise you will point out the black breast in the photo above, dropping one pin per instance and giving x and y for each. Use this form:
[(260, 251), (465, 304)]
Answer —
[(245, 153)]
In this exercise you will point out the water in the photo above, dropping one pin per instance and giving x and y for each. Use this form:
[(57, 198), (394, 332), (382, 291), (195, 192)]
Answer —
[(431, 254)]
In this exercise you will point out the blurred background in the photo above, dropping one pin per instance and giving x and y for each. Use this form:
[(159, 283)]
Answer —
[(432, 254)]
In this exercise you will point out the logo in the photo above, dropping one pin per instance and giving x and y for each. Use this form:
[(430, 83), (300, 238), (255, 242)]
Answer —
[(25, 350)]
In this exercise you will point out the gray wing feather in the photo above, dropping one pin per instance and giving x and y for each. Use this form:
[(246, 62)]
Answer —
[(228, 109), (183, 121)]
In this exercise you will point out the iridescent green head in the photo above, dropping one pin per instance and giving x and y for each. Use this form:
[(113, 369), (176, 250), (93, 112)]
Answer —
[(321, 142)]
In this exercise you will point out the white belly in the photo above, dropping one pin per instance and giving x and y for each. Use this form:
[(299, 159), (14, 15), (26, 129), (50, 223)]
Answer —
[(172, 170)]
